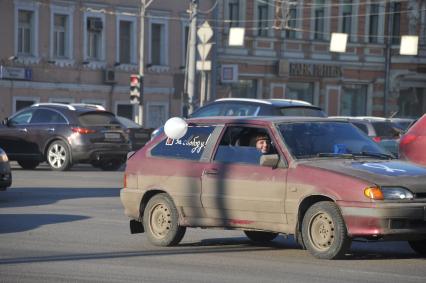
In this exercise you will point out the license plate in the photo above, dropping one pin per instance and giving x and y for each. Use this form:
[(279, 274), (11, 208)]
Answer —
[(112, 136)]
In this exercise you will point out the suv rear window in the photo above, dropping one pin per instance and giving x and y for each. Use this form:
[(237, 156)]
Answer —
[(191, 146), (384, 129), (301, 111), (97, 118)]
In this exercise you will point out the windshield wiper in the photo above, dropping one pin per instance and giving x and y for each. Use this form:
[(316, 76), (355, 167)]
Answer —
[(376, 154), (339, 155)]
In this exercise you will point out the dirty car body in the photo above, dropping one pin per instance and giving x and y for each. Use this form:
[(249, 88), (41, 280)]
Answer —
[(324, 182)]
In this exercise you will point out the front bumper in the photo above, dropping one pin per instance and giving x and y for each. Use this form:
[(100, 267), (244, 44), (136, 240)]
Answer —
[(391, 220)]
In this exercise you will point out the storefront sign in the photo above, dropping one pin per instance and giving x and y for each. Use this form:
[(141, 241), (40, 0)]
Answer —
[(314, 70), (13, 73)]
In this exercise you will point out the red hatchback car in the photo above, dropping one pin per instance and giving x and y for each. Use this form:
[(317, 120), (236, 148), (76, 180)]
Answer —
[(412, 145), (322, 180)]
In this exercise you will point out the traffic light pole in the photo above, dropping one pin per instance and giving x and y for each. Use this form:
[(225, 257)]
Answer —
[(144, 5), (191, 55)]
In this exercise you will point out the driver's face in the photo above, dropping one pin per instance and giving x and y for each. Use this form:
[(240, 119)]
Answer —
[(263, 146)]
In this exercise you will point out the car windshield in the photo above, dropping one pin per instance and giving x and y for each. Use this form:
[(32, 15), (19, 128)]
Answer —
[(127, 122), (328, 139), (301, 111)]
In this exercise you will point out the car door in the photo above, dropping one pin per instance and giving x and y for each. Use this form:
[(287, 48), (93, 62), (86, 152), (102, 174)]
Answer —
[(14, 136), (237, 191)]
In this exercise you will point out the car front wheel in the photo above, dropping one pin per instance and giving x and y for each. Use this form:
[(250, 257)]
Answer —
[(58, 156), (324, 231), (161, 221)]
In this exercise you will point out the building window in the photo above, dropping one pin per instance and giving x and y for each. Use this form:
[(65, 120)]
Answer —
[(300, 91), (244, 88), (291, 21), (125, 110), (319, 18), (234, 12), (125, 42), (396, 22), (157, 114), (60, 36), (347, 17), (185, 38), (373, 30), (262, 18), (94, 38), (157, 44), (25, 32), (22, 102), (353, 101)]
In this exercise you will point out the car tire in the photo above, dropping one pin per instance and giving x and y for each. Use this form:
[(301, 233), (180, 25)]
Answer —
[(418, 246), (110, 165), (324, 231), (28, 164), (58, 156), (161, 221), (260, 237)]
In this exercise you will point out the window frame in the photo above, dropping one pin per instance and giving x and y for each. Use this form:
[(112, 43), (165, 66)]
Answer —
[(352, 35), (164, 61), (133, 42), (33, 56), (323, 35), (381, 24), (67, 11), (102, 40), (23, 98), (149, 123)]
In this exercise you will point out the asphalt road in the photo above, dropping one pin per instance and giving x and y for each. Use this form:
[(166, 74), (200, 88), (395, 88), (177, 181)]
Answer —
[(70, 227)]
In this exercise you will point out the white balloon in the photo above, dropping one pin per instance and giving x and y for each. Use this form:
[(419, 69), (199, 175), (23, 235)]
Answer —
[(175, 128)]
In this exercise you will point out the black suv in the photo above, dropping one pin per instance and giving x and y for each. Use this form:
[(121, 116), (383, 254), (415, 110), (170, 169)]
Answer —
[(64, 135)]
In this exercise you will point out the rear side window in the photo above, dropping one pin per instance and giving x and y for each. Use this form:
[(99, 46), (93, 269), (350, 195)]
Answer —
[(97, 119), (191, 146), (301, 111), (384, 129), (361, 126), (46, 116)]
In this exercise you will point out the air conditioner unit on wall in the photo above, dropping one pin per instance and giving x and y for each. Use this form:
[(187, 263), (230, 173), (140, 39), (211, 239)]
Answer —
[(109, 76), (94, 24)]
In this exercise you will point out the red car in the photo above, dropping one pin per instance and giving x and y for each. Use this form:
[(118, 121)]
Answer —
[(412, 145), (322, 180)]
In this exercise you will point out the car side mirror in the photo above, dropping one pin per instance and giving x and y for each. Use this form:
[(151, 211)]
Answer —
[(269, 160)]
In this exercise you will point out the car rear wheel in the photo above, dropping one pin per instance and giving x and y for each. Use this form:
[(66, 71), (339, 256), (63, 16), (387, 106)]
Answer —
[(161, 221), (418, 246), (324, 231), (260, 237), (28, 164), (58, 156), (110, 165)]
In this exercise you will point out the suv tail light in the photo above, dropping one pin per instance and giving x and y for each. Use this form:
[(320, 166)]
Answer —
[(406, 139), (83, 131), (377, 139)]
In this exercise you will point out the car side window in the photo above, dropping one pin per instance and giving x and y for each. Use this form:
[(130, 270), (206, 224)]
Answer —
[(46, 116), (238, 145), (191, 146), (22, 118), (361, 126)]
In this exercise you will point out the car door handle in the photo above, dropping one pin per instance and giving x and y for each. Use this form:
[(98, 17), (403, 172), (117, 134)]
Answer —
[(23, 130), (51, 130), (210, 172)]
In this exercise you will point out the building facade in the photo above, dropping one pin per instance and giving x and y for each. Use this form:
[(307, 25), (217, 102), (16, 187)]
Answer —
[(84, 52), (72, 51), (286, 54)]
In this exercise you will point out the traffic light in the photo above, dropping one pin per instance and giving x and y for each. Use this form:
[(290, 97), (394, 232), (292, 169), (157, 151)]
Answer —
[(136, 88)]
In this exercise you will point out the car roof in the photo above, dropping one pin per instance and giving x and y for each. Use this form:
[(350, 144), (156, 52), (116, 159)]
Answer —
[(257, 119), (77, 107), (272, 102), (362, 118)]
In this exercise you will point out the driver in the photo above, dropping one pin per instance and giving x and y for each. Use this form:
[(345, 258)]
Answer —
[(263, 143)]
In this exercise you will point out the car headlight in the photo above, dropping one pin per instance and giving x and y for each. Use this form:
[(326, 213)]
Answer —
[(3, 157), (388, 193)]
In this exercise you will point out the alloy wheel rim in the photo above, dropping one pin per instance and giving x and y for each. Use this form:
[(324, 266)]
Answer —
[(322, 231), (57, 156)]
